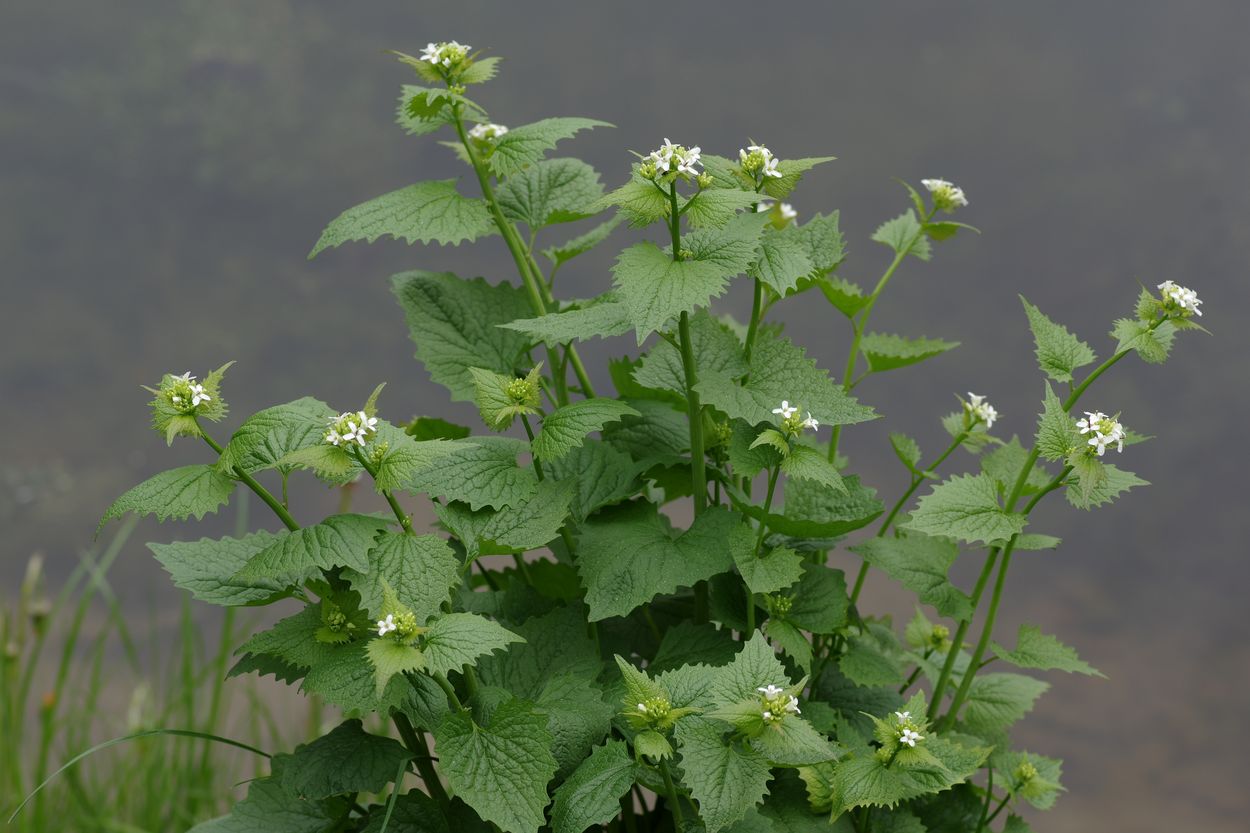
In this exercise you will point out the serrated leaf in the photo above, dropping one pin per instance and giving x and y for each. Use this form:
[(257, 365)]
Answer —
[(629, 555), (424, 429), (716, 350), (1058, 351), (791, 171), (783, 259), (639, 201), (267, 436), (1004, 465), (996, 701), (207, 567), (866, 664), (591, 794), (965, 507), (660, 432), (500, 770), (1113, 483), (907, 450), (555, 643), (176, 493), (419, 125), (526, 144), (577, 717), (655, 288), (414, 812), (807, 463), (582, 243), (483, 473), (1035, 649), (427, 211), (846, 297), (904, 235), (172, 422), (420, 570), (458, 639), (271, 807), (455, 325), (347, 760), (715, 207), (816, 511), (1042, 789), (819, 602), (338, 541), (734, 246), (826, 247), (791, 641), (567, 427), (687, 643), (531, 524), (554, 191), (494, 402), (921, 564), (405, 456), (1153, 344), (603, 319), (780, 370), (889, 352), (600, 475), (726, 780), (794, 742), (775, 570), (1056, 432), (391, 659)]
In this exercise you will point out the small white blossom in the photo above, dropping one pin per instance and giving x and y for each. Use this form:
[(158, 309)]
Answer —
[(198, 395), (766, 714), (671, 158), (910, 737), (786, 411), (763, 207), (1106, 431), (487, 132), (348, 428), (770, 690), (387, 625), (903, 715), (981, 409), (1179, 296), (186, 377), (759, 161), (788, 212), (445, 54), (642, 707), (810, 422), (946, 195), (793, 706)]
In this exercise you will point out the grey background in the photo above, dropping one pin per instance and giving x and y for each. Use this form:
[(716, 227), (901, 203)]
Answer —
[(167, 164)]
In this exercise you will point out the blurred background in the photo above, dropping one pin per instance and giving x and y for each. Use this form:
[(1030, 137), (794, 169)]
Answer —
[(166, 165)]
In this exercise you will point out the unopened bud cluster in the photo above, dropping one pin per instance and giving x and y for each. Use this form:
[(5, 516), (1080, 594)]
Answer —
[(776, 704), (348, 428), (778, 605), (1105, 431), (1025, 773), (946, 195), (655, 710), (184, 393), (758, 163)]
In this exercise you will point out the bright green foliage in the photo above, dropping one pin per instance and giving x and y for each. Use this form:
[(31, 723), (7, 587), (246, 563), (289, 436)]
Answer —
[(1059, 352), (528, 143), (889, 352), (1034, 778), (1111, 483), (420, 570), (784, 258), (270, 806), (656, 288), (716, 207), (528, 525), (1035, 649), (458, 639), (920, 563), (177, 493), (269, 435), (716, 349), (865, 663), (501, 770), (1153, 344), (791, 171), (500, 399), (591, 795), (807, 463), (455, 325), (905, 236), (428, 211), (206, 568), (482, 473), (629, 556), (338, 541), (599, 320), (1056, 432), (347, 760), (996, 701), (768, 572), (815, 511), (601, 475), (174, 416), (555, 191), (582, 243), (567, 427), (846, 297), (966, 508), (726, 779), (1004, 464), (418, 121), (639, 202), (907, 450)]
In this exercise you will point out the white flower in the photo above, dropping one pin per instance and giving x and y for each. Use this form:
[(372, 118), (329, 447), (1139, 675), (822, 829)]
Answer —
[(766, 714), (186, 377), (811, 422), (770, 691), (946, 195), (981, 409), (675, 158), (487, 132), (758, 160), (1106, 431), (793, 706), (903, 715), (445, 54), (788, 212), (368, 424), (642, 707), (198, 395), (1184, 298), (910, 737), (387, 625), (763, 207), (786, 411)]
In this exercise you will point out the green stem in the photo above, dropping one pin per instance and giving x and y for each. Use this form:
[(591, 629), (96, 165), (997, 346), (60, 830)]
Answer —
[(261, 491), (960, 634), (754, 326), (759, 543), (898, 506), (415, 741), (529, 432), (673, 797), (452, 698), (698, 474), (404, 520)]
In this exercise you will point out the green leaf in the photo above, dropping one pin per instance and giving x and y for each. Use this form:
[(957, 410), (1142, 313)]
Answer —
[(524, 145), (267, 436), (716, 350), (500, 770), (1113, 482), (904, 235), (414, 812), (420, 570), (347, 760), (791, 641), (783, 259), (484, 473), (1056, 432), (715, 207), (405, 456), (206, 568), (786, 806), (495, 404), (907, 450), (332, 464), (1005, 463), (815, 511), (921, 564), (601, 319), (554, 191), (531, 524), (807, 463), (1035, 649), (659, 433), (1042, 789), (424, 429), (819, 603), (338, 541), (1030, 542), (639, 201), (567, 427), (1015, 824), (780, 370), (1153, 344), (826, 247), (794, 742), (775, 570), (456, 325), (564, 252), (628, 556), (656, 288), (428, 211), (176, 493), (996, 701), (555, 643), (965, 507), (392, 659), (1058, 351), (687, 643), (271, 807), (592, 793), (422, 121), (601, 475), (864, 780), (866, 664), (577, 717), (888, 352), (458, 639), (726, 780), (846, 297), (791, 171)]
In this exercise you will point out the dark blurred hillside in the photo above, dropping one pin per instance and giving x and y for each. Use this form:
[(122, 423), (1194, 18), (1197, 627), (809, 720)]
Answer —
[(166, 165)]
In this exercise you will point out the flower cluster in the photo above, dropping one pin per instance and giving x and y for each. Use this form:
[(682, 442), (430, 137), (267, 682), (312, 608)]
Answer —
[(1106, 431), (401, 626), (348, 428), (790, 422), (184, 393), (1179, 299), (946, 195), (908, 731), (655, 710), (671, 158), (758, 162), (775, 703), (487, 133), (978, 408), (447, 55)]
